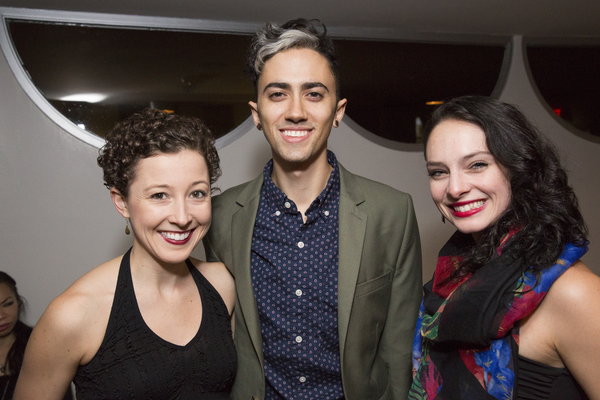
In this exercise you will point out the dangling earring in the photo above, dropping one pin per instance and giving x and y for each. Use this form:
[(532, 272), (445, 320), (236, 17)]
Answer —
[(443, 219), (127, 231), (259, 126)]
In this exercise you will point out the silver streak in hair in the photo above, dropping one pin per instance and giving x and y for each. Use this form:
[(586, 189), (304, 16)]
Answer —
[(287, 40)]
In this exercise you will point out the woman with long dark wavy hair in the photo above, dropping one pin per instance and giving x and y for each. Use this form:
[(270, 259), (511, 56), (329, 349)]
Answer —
[(511, 312)]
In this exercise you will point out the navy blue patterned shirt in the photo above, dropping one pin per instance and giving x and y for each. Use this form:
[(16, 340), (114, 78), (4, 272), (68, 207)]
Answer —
[(295, 278)]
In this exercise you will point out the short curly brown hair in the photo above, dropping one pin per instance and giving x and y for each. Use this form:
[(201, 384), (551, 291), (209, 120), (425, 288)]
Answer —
[(148, 133)]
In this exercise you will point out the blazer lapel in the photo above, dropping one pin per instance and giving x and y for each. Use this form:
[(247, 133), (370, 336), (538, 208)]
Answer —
[(242, 228), (352, 227)]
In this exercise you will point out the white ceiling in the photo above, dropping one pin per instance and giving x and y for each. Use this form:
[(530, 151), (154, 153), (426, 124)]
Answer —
[(552, 19)]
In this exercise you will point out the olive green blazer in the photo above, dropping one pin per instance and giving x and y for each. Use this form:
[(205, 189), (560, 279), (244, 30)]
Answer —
[(379, 282)]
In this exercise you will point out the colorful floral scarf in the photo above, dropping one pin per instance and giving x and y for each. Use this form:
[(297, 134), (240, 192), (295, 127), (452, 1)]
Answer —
[(467, 337)]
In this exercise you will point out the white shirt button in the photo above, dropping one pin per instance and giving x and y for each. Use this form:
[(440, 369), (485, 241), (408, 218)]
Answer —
[(287, 204), (301, 244), (298, 339), (302, 379), (278, 213), (298, 292), (326, 213)]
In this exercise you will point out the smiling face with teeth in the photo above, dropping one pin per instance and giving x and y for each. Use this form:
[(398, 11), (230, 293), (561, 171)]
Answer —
[(297, 106), (169, 206), (469, 187)]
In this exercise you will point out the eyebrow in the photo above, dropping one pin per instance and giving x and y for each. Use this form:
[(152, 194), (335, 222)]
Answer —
[(435, 164), (287, 86), (310, 85), (200, 182), (154, 187), (7, 299), (165, 186), (466, 157), (279, 85)]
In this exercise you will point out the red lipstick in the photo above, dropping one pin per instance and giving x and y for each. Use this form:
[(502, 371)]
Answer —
[(469, 212), (179, 242)]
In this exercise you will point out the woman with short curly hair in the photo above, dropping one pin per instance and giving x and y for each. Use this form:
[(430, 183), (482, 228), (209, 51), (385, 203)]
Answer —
[(152, 323)]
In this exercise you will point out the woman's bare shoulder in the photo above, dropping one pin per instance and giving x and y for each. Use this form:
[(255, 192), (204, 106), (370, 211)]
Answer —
[(93, 287), (68, 334), (575, 288), (560, 326), (219, 276), (574, 301), (216, 270), (82, 311)]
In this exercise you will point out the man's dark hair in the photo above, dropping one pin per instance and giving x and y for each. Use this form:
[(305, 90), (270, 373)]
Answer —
[(295, 34)]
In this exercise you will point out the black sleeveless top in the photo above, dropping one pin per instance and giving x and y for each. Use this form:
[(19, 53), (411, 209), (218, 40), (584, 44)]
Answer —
[(134, 363), (537, 381)]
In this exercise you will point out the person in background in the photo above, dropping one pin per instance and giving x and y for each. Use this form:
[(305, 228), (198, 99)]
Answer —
[(327, 263), (512, 311), (14, 335), (152, 323)]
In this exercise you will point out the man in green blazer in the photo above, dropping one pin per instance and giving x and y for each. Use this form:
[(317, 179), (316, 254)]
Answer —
[(327, 264)]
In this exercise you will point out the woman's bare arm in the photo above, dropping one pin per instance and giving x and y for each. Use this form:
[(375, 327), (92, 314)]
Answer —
[(67, 335), (576, 306)]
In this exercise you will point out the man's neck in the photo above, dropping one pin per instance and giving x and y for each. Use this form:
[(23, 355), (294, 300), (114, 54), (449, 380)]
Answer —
[(302, 183)]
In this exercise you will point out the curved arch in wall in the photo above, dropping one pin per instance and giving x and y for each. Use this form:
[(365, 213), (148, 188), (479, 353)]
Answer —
[(97, 20), (177, 24), (542, 100)]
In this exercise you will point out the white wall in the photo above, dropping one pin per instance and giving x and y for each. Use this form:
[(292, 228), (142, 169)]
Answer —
[(58, 221)]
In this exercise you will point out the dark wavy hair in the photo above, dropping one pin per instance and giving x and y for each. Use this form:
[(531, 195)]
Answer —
[(543, 205), (295, 34), (14, 358), (148, 133)]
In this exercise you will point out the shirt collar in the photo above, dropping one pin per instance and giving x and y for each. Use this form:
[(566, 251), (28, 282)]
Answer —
[(278, 200)]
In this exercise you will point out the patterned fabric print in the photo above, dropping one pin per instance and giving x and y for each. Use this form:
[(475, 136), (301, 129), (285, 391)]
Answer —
[(294, 269), (492, 366), (425, 385), (528, 294)]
